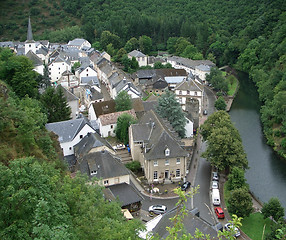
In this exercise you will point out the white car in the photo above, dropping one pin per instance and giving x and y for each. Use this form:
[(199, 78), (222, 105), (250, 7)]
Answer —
[(157, 209), (215, 176), (229, 227), (214, 184)]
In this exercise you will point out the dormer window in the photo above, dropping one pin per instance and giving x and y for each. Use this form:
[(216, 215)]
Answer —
[(93, 172), (167, 152)]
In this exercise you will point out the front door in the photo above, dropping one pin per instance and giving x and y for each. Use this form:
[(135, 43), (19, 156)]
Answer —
[(166, 174)]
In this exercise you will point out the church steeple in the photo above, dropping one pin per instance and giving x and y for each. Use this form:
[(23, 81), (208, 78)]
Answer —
[(29, 32)]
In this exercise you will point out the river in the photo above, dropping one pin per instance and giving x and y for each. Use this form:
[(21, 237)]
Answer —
[(267, 173)]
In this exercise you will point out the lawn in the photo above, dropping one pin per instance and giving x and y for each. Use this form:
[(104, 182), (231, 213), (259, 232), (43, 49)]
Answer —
[(232, 85), (253, 226)]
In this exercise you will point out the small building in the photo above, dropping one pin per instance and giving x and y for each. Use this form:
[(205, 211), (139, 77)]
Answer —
[(140, 57)]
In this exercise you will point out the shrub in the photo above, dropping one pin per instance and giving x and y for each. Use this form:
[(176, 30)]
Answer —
[(134, 166)]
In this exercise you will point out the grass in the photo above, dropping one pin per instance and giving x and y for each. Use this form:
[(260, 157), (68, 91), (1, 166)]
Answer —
[(232, 85), (253, 226)]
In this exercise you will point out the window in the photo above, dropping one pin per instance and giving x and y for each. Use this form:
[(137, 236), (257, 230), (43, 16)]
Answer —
[(180, 92), (105, 182), (178, 160), (155, 175), (167, 162), (81, 136), (155, 163), (178, 173), (167, 152), (59, 68), (188, 92), (70, 148), (111, 126), (196, 93)]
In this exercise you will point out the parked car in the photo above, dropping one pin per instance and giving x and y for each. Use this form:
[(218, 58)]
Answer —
[(205, 112), (215, 176), (229, 227), (219, 212), (157, 209), (185, 186), (214, 184)]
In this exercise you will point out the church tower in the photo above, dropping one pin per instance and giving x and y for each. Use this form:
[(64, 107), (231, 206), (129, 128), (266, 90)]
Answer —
[(30, 44)]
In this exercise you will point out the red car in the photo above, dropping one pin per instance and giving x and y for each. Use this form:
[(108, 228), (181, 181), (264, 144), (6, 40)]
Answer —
[(219, 212)]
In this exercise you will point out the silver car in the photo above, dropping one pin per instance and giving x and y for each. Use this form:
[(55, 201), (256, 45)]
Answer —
[(215, 176), (157, 209), (230, 227), (214, 184)]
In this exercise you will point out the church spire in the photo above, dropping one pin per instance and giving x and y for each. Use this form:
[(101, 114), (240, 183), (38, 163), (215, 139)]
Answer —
[(29, 33)]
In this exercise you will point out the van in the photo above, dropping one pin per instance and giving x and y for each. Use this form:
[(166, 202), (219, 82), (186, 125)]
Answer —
[(215, 197)]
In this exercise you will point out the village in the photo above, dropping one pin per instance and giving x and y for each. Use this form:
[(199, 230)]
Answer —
[(88, 140)]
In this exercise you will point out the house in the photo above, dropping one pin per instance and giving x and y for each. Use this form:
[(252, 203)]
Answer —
[(70, 133), (158, 80), (157, 147), (68, 80), (190, 65), (191, 222), (73, 102), (202, 70), (37, 62), (100, 108), (108, 122), (140, 57), (127, 86), (57, 67), (79, 43), (189, 88), (103, 168), (128, 197)]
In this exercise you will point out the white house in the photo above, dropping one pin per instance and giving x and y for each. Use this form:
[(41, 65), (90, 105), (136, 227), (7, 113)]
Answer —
[(79, 43), (141, 58), (202, 70), (189, 128), (108, 122), (57, 67), (70, 133)]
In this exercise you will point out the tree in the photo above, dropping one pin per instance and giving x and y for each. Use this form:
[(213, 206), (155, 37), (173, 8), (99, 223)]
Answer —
[(55, 104), (224, 150), (240, 202), (123, 123), (169, 108), (145, 44), (217, 80), (273, 209), (75, 66), (123, 102), (220, 103), (236, 179), (18, 72), (131, 44)]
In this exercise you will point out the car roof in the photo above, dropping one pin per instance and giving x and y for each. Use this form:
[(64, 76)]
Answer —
[(219, 209)]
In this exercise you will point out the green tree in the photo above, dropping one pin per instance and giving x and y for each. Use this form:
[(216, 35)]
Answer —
[(236, 179), (131, 44), (75, 66), (240, 202), (273, 209), (123, 123), (55, 104), (145, 44), (217, 80), (169, 108), (224, 150), (109, 38), (123, 102), (119, 56), (220, 103), (17, 71)]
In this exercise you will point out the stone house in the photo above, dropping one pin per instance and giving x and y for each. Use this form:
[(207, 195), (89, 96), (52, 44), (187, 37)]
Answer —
[(158, 148)]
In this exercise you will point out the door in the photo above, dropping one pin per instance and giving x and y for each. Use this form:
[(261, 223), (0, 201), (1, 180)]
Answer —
[(166, 174)]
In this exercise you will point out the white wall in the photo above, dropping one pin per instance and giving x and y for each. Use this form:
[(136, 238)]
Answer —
[(115, 180), (189, 128), (56, 69)]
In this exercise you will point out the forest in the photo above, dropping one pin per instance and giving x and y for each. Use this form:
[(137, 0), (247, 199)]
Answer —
[(247, 35)]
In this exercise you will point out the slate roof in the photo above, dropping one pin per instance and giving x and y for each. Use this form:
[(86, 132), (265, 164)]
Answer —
[(158, 135), (90, 141), (92, 81), (174, 79), (95, 95), (34, 58), (76, 42), (115, 79), (148, 105), (103, 163), (70, 160), (111, 118), (136, 53), (67, 130), (128, 86), (189, 84), (161, 73), (191, 223), (125, 193), (69, 95), (189, 62), (203, 67)]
